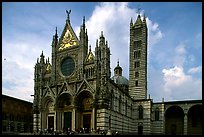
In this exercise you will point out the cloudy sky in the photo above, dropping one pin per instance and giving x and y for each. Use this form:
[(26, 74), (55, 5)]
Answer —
[(174, 42)]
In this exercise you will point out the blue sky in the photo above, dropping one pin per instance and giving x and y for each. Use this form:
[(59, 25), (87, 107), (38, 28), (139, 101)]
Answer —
[(174, 42)]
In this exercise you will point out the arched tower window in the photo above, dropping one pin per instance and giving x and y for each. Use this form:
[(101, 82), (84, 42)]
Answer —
[(126, 105), (112, 101), (156, 114), (120, 104), (131, 111), (140, 112)]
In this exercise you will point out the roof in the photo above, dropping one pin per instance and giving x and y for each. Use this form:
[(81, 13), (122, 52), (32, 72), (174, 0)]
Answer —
[(120, 80)]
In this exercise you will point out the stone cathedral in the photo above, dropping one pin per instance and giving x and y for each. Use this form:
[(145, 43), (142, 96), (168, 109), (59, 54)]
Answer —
[(74, 89)]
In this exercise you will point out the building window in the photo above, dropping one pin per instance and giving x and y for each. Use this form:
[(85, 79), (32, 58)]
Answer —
[(138, 33), (136, 83), (67, 66), (156, 114), (137, 54), (137, 64), (126, 105), (112, 101), (137, 45), (136, 74), (131, 111), (140, 112), (119, 104)]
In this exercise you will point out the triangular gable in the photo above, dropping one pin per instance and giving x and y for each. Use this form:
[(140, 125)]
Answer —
[(138, 21), (65, 88), (68, 37), (85, 85), (89, 58), (49, 91)]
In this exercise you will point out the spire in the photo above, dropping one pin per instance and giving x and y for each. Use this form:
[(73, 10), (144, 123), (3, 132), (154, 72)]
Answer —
[(138, 21), (42, 58), (84, 20), (101, 33), (41, 54), (56, 32), (118, 63), (102, 39), (96, 42), (89, 48), (144, 19), (106, 43), (131, 24)]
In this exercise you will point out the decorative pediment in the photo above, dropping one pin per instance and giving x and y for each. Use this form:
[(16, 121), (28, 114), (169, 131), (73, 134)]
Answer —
[(65, 88), (68, 37), (85, 85), (48, 68), (90, 57), (48, 92)]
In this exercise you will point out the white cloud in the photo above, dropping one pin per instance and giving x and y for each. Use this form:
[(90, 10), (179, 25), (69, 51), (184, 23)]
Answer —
[(17, 81), (195, 70), (179, 85), (174, 77), (19, 58), (113, 19), (174, 83), (154, 32)]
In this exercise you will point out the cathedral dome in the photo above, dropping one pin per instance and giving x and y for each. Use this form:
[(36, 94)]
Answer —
[(118, 78)]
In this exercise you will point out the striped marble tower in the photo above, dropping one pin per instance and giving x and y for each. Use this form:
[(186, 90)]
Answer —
[(138, 59)]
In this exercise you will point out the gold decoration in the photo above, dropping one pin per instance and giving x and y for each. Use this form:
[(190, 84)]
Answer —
[(90, 57), (67, 41), (48, 69)]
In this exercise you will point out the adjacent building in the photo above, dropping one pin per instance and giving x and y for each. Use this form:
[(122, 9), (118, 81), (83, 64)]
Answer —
[(17, 115)]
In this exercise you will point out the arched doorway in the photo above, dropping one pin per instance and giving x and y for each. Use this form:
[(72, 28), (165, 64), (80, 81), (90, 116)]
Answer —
[(84, 103), (47, 111), (64, 112), (174, 118), (195, 120)]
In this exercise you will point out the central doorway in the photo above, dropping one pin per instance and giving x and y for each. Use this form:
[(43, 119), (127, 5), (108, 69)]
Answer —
[(50, 122), (87, 122), (67, 120)]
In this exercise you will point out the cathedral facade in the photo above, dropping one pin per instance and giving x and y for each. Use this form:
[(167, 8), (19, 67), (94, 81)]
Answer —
[(76, 90)]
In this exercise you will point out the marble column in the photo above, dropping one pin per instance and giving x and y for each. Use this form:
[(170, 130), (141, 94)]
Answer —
[(93, 119), (185, 124), (55, 121), (73, 118)]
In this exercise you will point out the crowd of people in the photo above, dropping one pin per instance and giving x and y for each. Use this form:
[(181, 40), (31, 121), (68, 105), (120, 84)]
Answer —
[(68, 131)]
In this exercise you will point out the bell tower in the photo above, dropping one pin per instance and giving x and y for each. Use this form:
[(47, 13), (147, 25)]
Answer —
[(138, 59)]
